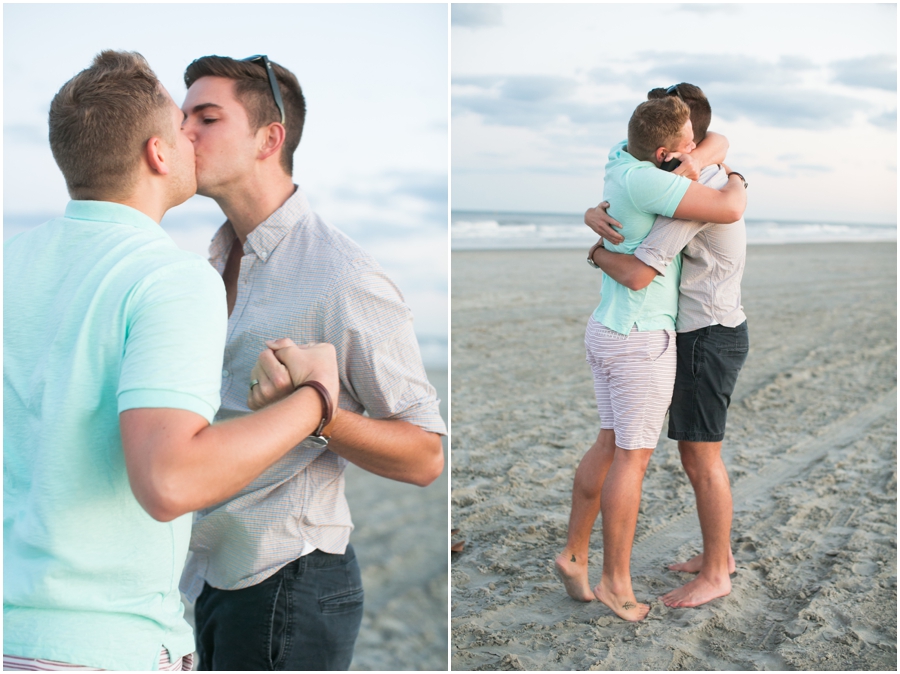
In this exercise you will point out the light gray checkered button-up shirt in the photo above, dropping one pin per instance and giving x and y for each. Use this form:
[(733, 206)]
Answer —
[(303, 279), (712, 263)]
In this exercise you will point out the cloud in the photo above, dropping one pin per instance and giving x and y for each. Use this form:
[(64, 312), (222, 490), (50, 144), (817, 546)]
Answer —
[(877, 72), (705, 70), (812, 168), (607, 76), (786, 108), (886, 120), (532, 88), (399, 199), (30, 134), (532, 101), (708, 8), (476, 15)]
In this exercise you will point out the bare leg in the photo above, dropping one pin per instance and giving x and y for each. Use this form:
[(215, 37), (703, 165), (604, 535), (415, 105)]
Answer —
[(572, 562), (620, 503), (703, 463)]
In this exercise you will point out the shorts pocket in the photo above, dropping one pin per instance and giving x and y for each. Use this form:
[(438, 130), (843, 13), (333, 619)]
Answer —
[(343, 602), (659, 346), (279, 626)]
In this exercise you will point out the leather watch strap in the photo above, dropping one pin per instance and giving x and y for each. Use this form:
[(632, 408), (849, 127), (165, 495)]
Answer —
[(590, 257), (327, 405)]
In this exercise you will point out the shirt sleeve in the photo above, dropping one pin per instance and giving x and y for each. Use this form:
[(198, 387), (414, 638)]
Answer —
[(669, 236), (371, 328), (177, 319), (655, 191), (665, 241)]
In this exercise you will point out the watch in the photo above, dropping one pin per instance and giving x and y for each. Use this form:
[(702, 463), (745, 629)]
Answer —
[(318, 438), (743, 179), (590, 257)]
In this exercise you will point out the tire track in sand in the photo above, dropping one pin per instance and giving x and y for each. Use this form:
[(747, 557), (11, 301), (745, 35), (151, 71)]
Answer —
[(659, 544)]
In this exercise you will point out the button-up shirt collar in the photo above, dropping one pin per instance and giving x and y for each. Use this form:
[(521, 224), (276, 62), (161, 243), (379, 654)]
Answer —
[(266, 236)]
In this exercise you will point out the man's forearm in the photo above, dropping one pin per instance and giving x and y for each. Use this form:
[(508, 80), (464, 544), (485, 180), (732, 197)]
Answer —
[(711, 150), (624, 269), (394, 449), (177, 463)]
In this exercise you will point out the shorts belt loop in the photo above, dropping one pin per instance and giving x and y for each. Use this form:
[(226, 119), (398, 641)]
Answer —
[(300, 568)]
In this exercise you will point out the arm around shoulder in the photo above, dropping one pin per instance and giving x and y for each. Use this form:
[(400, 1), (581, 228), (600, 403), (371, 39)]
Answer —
[(706, 204)]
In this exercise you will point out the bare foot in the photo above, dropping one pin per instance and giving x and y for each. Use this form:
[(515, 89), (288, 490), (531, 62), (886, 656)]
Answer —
[(694, 564), (574, 575), (624, 605), (697, 592)]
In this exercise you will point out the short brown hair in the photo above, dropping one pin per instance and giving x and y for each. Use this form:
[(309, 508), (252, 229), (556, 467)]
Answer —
[(701, 112), (655, 124), (252, 89), (100, 121)]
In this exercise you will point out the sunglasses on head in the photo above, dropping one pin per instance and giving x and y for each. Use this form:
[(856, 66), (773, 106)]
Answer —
[(276, 92), (674, 90)]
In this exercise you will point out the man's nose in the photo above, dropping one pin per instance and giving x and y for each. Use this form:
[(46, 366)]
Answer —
[(189, 130)]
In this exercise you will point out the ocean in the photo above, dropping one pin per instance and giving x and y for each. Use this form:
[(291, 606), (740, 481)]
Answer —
[(491, 230)]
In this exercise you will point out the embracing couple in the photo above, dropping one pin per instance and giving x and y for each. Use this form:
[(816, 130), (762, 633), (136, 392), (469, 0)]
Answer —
[(670, 335), (120, 351)]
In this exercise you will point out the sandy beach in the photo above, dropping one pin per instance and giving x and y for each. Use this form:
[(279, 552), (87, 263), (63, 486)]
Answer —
[(811, 450), (401, 542)]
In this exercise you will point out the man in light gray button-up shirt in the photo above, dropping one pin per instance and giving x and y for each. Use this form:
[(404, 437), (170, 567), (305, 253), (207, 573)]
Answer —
[(276, 583), (712, 347)]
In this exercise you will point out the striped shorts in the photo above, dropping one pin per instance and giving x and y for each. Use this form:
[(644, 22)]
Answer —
[(17, 664), (633, 380)]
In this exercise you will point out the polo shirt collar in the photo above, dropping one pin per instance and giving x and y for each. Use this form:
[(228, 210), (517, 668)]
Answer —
[(108, 211), (266, 235)]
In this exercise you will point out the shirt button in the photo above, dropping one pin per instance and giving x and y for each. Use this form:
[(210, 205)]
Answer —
[(224, 373)]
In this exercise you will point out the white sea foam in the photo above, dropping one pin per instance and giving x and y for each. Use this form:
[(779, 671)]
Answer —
[(474, 231)]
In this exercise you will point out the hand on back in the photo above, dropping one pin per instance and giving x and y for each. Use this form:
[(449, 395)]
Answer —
[(599, 220)]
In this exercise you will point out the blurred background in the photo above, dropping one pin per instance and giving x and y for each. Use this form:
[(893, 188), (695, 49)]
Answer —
[(373, 162), (805, 93)]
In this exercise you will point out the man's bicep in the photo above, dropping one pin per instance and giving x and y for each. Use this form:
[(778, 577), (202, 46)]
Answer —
[(153, 443), (173, 350)]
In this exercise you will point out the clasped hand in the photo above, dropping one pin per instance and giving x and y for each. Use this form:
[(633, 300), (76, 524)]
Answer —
[(282, 367)]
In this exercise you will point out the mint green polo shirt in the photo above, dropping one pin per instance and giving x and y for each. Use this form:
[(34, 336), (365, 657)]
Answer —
[(638, 191), (102, 312)]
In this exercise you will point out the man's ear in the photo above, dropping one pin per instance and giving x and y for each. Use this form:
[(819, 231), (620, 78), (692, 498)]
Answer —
[(271, 139), (156, 154), (660, 154)]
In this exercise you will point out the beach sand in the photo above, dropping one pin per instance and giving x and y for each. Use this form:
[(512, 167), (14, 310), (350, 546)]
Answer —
[(400, 539), (811, 449), (401, 542)]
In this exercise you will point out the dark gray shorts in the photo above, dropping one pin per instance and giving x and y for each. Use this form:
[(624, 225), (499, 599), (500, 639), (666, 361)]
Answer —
[(709, 361)]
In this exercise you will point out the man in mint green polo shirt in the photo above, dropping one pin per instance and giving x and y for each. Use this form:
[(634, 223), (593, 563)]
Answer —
[(113, 343)]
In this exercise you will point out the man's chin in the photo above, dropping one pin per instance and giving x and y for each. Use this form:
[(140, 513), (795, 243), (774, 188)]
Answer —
[(203, 190)]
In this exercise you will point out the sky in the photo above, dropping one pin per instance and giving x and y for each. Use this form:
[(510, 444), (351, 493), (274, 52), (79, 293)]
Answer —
[(806, 95), (373, 158)]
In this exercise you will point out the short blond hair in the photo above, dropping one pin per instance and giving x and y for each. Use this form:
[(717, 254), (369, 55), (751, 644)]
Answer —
[(100, 121), (656, 123)]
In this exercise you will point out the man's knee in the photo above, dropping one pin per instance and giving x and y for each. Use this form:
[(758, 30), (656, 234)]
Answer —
[(700, 459), (634, 459)]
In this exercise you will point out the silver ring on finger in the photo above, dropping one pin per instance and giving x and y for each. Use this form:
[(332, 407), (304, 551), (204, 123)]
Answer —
[(253, 382)]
